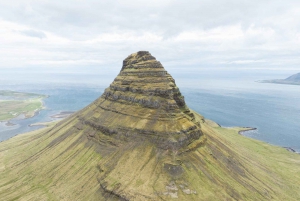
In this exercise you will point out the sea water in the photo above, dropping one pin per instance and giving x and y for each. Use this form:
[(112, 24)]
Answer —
[(61, 98), (228, 97), (239, 100)]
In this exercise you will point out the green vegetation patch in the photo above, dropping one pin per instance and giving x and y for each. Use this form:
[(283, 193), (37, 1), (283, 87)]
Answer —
[(12, 104)]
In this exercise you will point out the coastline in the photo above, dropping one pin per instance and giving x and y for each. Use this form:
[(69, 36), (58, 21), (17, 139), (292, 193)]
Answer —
[(8, 123), (278, 82), (291, 150), (9, 126), (62, 114), (21, 116), (44, 124), (56, 118), (243, 130), (247, 129), (27, 114)]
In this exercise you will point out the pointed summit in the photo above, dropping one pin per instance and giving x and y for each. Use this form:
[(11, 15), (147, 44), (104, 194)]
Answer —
[(141, 59), (143, 102)]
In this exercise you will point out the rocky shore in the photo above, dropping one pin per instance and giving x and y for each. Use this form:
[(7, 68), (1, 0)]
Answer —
[(63, 114), (246, 129)]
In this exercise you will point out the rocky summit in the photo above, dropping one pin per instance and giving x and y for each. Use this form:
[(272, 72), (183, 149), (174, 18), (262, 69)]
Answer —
[(139, 141), (143, 103)]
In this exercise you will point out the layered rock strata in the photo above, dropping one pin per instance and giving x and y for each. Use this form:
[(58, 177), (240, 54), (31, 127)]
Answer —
[(143, 102)]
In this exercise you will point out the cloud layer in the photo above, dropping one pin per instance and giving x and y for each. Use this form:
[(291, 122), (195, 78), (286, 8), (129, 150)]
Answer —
[(195, 34)]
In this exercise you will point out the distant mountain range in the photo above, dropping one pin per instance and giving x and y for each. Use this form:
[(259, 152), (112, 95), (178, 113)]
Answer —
[(294, 80)]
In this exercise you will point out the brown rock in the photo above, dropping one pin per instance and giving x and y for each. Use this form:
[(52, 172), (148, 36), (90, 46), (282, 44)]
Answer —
[(144, 102)]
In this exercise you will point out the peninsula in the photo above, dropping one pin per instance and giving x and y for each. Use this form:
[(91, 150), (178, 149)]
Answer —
[(13, 104), (293, 80)]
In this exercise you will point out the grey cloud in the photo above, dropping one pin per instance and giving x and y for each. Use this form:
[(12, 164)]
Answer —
[(78, 19), (33, 33), (85, 20)]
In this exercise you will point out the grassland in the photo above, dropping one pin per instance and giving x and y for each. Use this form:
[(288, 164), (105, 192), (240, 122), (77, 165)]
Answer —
[(12, 104), (61, 163)]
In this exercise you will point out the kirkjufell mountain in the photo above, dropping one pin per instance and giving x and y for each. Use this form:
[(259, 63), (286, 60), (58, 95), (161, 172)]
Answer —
[(139, 141), (143, 103)]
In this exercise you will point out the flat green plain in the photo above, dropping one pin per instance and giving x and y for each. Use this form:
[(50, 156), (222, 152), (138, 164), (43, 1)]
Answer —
[(12, 104)]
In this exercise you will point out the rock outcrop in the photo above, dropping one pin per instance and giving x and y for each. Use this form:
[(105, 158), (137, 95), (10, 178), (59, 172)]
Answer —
[(144, 103)]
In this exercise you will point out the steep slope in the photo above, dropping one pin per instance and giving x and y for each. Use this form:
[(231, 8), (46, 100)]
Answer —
[(139, 141)]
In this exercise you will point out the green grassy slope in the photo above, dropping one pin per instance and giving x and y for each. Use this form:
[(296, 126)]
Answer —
[(61, 162), (34, 167)]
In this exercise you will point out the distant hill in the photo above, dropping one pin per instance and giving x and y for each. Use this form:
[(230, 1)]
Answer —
[(293, 80)]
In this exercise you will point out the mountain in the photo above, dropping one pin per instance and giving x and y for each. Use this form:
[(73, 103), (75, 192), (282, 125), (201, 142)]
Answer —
[(293, 80), (140, 141)]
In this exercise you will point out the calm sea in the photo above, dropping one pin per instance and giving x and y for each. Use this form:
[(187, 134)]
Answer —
[(229, 97)]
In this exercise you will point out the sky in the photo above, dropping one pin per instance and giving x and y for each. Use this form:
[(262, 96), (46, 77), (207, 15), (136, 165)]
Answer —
[(191, 34)]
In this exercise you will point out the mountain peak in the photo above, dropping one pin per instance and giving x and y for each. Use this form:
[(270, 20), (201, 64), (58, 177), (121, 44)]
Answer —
[(143, 102), (140, 59)]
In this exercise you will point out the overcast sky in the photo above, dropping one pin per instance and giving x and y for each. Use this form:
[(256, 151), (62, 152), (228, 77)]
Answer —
[(181, 34)]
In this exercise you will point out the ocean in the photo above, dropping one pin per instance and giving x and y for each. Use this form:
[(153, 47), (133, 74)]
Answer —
[(228, 97)]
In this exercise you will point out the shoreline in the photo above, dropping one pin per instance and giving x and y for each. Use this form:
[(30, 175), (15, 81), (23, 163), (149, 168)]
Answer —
[(9, 123), (23, 116), (247, 129), (63, 114), (278, 82), (291, 150), (243, 130), (39, 125), (28, 114), (44, 124)]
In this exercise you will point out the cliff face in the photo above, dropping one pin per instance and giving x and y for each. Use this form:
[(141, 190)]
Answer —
[(143, 103), (139, 141)]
